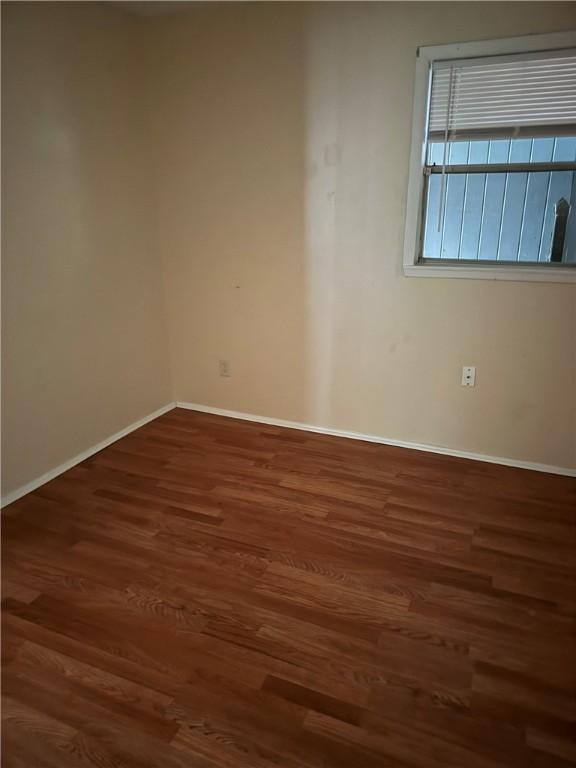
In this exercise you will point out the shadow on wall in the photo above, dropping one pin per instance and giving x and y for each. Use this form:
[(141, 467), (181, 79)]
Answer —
[(367, 357), (353, 217)]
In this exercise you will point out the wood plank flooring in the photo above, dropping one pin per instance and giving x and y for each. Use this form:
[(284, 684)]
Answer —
[(210, 592)]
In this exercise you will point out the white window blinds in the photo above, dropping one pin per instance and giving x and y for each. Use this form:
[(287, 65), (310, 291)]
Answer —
[(504, 96)]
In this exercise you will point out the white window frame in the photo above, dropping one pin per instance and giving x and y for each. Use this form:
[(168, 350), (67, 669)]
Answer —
[(414, 218)]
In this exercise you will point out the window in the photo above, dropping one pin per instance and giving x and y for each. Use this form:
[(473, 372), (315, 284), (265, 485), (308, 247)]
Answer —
[(492, 188)]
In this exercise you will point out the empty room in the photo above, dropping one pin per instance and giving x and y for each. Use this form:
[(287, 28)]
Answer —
[(288, 384)]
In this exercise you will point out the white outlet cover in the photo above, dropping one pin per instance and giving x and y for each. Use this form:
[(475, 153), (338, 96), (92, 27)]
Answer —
[(468, 375)]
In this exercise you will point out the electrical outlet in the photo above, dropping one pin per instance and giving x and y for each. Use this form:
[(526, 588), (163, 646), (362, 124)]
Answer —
[(224, 368), (468, 376)]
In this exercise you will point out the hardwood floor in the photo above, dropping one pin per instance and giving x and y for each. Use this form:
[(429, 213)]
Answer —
[(210, 592)]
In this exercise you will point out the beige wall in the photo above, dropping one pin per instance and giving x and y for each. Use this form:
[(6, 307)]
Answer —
[(284, 141), (84, 345), (261, 151)]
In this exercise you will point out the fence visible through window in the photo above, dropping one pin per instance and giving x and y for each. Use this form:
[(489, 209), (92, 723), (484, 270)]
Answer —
[(526, 215)]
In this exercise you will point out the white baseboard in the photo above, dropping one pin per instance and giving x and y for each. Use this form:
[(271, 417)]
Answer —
[(51, 474), (47, 476), (383, 440)]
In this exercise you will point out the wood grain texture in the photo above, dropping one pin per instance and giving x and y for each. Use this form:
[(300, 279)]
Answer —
[(211, 592)]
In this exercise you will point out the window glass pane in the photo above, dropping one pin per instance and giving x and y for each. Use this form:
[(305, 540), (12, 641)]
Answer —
[(570, 242), (521, 150), (542, 150), (539, 150), (500, 216), (432, 234), (491, 224), (513, 213), (479, 152), (559, 186), (565, 149), (435, 153)]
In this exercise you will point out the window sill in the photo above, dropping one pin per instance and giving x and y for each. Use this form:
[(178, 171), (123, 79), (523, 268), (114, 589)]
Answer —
[(493, 272)]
